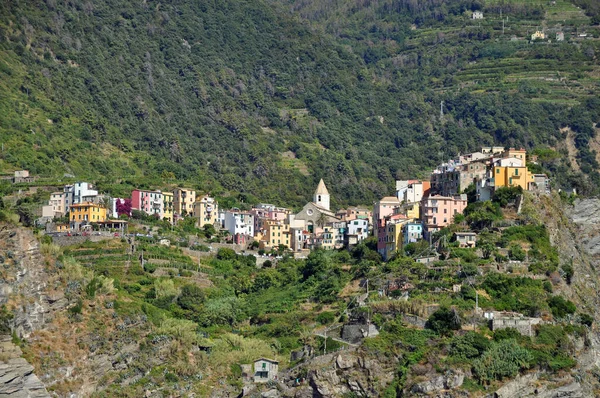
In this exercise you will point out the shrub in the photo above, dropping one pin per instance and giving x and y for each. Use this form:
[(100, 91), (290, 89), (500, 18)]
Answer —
[(561, 307), (586, 319), (165, 288), (444, 321), (471, 345), (503, 359), (226, 253), (516, 252), (326, 317), (568, 272)]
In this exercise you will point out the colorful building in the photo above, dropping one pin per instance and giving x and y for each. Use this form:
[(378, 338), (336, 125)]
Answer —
[(206, 211), (276, 233), (384, 208), (439, 211), (511, 172), (412, 232), (393, 235), (168, 206), (85, 213), (183, 202), (150, 202)]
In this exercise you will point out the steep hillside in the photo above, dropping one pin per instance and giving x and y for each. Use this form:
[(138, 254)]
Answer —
[(241, 96)]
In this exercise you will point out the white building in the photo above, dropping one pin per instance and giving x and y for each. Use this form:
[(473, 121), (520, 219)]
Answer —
[(477, 15), (75, 193), (239, 222), (58, 203), (360, 228)]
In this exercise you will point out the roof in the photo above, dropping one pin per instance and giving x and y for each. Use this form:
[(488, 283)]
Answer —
[(389, 199), (86, 204), (466, 233), (321, 189), (267, 359), (324, 210)]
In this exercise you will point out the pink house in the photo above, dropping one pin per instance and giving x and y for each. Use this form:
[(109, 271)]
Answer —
[(439, 211), (264, 211), (150, 202), (383, 208)]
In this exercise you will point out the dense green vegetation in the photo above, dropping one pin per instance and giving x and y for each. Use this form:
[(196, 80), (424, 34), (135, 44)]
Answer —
[(243, 97)]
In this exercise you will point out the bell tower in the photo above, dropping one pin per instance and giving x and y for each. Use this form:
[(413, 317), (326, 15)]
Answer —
[(321, 197)]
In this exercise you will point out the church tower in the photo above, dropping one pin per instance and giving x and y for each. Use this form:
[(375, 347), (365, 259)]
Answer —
[(321, 197)]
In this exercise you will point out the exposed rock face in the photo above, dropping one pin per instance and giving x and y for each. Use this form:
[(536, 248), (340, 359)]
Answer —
[(16, 375), (348, 372), (24, 276), (439, 383), (23, 284), (529, 386)]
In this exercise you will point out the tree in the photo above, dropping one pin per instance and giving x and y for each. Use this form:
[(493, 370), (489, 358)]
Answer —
[(210, 231), (322, 220), (444, 321), (123, 207), (471, 345), (191, 298)]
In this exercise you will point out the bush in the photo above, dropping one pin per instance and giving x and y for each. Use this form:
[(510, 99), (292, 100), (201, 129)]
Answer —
[(225, 253), (503, 359), (516, 252), (326, 317), (561, 307), (444, 321), (148, 267), (471, 345), (586, 319)]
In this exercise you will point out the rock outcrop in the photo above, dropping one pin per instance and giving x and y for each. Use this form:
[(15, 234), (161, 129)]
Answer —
[(24, 276), (17, 379)]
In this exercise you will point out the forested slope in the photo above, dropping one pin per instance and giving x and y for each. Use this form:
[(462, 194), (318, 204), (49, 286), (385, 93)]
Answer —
[(264, 98)]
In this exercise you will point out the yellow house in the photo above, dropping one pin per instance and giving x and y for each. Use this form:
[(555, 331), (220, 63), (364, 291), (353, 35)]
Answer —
[(509, 176), (276, 233), (329, 238), (412, 211), (393, 236), (183, 201), (168, 206), (206, 211), (515, 153), (538, 35), (87, 212)]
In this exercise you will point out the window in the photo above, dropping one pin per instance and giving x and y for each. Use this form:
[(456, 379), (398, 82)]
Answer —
[(516, 172), (445, 211), (497, 171)]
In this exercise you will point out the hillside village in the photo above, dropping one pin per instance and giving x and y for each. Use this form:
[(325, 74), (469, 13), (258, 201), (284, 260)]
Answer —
[(418, 209), (459, 268)]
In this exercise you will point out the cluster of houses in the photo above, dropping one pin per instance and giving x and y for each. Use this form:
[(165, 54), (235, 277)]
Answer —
[(421, 208), (273, 227), (418, 209)]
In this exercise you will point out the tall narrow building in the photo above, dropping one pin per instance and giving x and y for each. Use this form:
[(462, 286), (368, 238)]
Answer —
[(321, 197)]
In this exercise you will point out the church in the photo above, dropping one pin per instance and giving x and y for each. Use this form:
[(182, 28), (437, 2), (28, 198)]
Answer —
[(316, 214)]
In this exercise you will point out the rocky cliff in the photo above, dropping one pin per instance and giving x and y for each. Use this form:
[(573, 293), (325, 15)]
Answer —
[(24, 289)]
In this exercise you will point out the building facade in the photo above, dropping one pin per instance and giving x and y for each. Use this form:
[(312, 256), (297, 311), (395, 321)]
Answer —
[(439, 211), (183, 202), (206, 211)]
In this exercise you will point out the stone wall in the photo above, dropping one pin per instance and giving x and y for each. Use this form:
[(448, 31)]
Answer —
[(522, 324)]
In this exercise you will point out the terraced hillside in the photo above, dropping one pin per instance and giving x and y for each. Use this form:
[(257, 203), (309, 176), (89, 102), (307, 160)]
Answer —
[(264, 98)]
